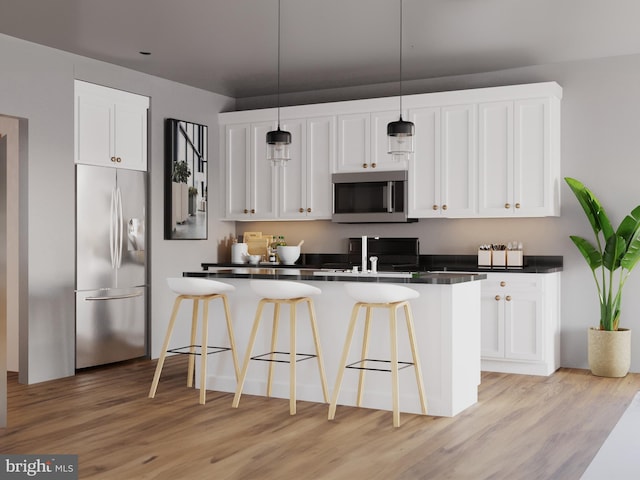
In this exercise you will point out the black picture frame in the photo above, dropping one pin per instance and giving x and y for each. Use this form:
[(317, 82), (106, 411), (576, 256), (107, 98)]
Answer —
[(186, 180)]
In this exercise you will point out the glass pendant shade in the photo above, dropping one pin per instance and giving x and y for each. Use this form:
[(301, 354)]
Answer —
[(400, 135), (278, 142)]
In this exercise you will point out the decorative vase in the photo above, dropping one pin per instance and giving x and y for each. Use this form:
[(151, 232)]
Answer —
[(609, 352)]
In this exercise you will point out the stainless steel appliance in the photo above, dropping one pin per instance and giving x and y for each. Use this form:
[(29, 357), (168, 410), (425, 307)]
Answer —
[(371, 197), (111, 279)]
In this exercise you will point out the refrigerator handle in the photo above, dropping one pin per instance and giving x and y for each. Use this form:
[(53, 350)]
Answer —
[(112, 226), (120, 228)]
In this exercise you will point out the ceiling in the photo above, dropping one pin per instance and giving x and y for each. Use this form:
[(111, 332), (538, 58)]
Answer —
[(230, 46)]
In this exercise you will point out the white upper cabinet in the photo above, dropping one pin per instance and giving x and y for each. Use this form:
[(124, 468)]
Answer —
[(519, 158), (250, 177), (363, 144), (443, 175), (305, 183), (110, 127)]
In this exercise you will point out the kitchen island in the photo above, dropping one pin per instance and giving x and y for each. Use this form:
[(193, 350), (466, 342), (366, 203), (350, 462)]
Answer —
[(447, 325)]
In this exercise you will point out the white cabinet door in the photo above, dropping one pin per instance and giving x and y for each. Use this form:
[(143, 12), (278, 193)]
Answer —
[(110, 127), (515, 327), (519, 158), (263, 182), (237, 159), (354, 142), (496, 159), (424, 169), (458, 171), (380, 158), (293, 186), (321, 147), (443, 175)]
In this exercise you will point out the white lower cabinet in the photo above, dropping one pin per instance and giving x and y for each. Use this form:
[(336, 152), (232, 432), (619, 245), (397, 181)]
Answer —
[(521, 323)]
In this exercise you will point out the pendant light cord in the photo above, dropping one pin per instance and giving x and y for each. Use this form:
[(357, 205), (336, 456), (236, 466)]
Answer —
[(400, 59), (278, 94)]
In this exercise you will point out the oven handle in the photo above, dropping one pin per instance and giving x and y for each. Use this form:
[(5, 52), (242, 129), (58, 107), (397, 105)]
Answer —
[(390, 197)]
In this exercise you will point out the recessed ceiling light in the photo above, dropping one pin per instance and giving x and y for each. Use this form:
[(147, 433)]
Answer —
[(145, 53)]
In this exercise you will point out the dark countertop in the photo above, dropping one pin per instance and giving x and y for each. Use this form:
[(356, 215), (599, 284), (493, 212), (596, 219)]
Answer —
[(293, 273), (428, 263)]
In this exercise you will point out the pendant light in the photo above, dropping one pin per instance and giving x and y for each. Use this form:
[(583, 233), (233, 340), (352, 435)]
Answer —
[(278, 141), (400, 133)]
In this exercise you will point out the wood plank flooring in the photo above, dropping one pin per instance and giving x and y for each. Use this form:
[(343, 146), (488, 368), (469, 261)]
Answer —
[(523, 427)]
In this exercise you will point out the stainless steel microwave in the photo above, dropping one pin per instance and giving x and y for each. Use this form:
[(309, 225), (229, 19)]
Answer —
[(371, 197)]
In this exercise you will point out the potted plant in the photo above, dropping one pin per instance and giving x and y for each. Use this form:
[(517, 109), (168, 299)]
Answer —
[(611, 259), (180, 192)]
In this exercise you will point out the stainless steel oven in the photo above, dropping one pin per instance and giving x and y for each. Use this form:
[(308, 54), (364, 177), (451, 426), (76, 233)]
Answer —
[(370, 197)]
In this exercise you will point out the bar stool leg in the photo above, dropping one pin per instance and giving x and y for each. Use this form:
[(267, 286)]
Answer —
[(203, 357), (192, 348), (394, 366), (416, 359), (292, 358), (247, 356), (165, 346), (316, 340), (232, 340), (343, 361), (365, 350), (274, 343)]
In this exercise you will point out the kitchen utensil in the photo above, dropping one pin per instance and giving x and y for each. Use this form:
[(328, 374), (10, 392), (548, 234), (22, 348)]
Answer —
[(239, 253), (288, 254), (254, 259), (300, 244)]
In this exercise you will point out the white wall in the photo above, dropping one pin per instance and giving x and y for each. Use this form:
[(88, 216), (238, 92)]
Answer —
[(600, 146), (36, 83)]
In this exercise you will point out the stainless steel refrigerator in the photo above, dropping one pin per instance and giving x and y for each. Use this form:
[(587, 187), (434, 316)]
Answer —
[(111, 278)]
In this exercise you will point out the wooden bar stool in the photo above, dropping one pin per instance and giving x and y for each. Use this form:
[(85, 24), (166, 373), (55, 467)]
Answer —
[(205, 290), (392, 297), (280, 292)]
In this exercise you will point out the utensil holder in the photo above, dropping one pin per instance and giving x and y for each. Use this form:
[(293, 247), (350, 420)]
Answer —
[(514, 258), (499, 258), (484, 258)]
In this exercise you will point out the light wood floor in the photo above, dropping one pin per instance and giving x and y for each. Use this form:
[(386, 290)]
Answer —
[(523, 427)]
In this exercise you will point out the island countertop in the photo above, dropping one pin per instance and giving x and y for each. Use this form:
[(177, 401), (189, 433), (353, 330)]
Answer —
[(327, 275)]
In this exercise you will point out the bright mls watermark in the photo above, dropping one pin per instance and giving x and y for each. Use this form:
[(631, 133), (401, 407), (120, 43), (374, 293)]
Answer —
[(51, 467)]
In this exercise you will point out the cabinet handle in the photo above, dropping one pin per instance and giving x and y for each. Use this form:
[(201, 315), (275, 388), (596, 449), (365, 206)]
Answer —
[(435, 207), (364, 165), (444, 207), (374, 165), (507, 205), (246, 211), (301, 210), (503, 284), (253, 210), (118, 159), (497, 298), (517, 205), (508, 298), (113, 159), (309, 210)]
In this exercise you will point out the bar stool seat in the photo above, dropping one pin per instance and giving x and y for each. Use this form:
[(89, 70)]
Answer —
[(196, 289), (279, 292), (392, 297)]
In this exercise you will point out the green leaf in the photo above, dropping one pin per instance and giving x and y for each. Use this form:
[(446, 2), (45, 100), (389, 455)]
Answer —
[(588, 251), (632, 254), (614, 250), (592, 207)]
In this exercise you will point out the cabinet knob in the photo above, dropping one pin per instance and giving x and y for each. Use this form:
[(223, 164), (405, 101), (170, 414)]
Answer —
[(503, 284), (301, 210), (253, 210), (435, 207), (374, 165), (309, 210), (517, 205), (507, 205), (508, 298), (118, 159), (246, 211), (113, 159), (497, 298), (364, 165), (444, 207)]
